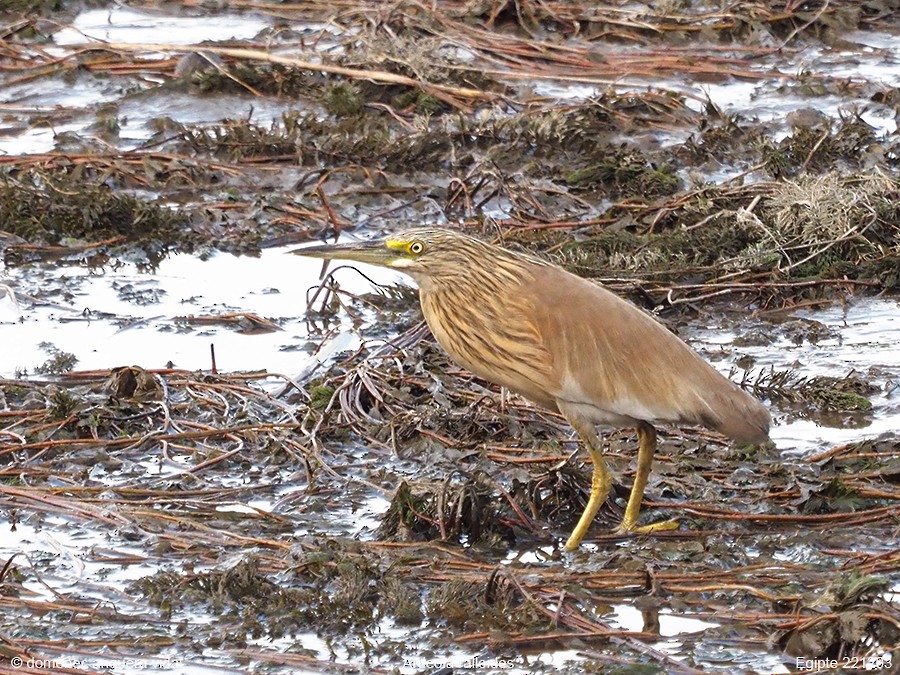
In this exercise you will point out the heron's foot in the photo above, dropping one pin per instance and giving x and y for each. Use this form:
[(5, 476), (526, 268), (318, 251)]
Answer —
[(662, 526), (600, 485)]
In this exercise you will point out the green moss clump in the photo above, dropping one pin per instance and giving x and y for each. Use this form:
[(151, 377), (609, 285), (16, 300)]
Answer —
[(273, 79), (419, 101), (59, 361), (625, 172), (30, 6), (320, 396), (70, 206), (343, 99), (62, 404)]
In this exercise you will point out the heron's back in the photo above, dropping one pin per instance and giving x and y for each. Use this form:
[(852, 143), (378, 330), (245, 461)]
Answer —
[(609, 353)]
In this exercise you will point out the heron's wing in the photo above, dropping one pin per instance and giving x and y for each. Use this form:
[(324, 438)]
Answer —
[(615, 357)]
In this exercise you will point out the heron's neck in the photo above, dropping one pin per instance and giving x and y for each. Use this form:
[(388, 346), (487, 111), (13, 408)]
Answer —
[(475, 281)]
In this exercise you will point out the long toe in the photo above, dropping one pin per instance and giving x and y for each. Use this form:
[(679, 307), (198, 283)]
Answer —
[(662, 526)]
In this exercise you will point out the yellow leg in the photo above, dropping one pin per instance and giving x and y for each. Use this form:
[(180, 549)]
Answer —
[(646, 448), (601, 480)]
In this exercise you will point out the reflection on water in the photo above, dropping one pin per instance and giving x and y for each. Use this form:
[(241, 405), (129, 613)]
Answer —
[(115, 317), (127, 26)]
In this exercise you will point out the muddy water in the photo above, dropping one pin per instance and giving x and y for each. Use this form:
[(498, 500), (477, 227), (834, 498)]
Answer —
[(59, 106), (114, 317), (110, 317), (123, 25), (851, 337)]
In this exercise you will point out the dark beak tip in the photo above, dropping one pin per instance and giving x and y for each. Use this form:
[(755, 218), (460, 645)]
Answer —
[(309, 250)]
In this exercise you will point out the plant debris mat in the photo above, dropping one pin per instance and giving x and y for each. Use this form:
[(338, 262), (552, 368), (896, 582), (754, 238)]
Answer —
[(214, 498), (394, 511), (523, 121)]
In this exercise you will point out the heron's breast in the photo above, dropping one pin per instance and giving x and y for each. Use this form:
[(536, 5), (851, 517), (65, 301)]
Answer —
[(494, 342)]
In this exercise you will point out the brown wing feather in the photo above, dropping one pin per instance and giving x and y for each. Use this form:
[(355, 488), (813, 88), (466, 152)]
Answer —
[(609, 354)]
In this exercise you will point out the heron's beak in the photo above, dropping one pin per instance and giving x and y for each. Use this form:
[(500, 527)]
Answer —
[(372, 252)]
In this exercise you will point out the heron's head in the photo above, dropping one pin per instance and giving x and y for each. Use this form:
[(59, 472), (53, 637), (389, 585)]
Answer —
[(425, 253)]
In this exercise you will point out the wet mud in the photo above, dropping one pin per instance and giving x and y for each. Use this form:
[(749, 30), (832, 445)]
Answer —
[(216, 456)]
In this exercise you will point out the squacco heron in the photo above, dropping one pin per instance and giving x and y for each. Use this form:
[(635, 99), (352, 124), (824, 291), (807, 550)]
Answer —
[(565, 343)]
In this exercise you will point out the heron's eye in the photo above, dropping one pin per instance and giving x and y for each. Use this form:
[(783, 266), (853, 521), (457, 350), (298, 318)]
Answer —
[(416, 247)]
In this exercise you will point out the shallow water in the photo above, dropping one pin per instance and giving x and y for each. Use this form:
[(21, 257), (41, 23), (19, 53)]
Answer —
[(113, 317), (122, 316), (62, 105), (862, 57), (858, 339), (110, 317), (69, 560), (124, 25)]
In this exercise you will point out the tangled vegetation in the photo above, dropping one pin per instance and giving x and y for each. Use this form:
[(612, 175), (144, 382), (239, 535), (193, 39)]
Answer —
[(238, 509)]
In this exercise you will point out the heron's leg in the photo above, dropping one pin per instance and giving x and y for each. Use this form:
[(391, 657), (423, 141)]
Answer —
[(600, 481), (646, 448)]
